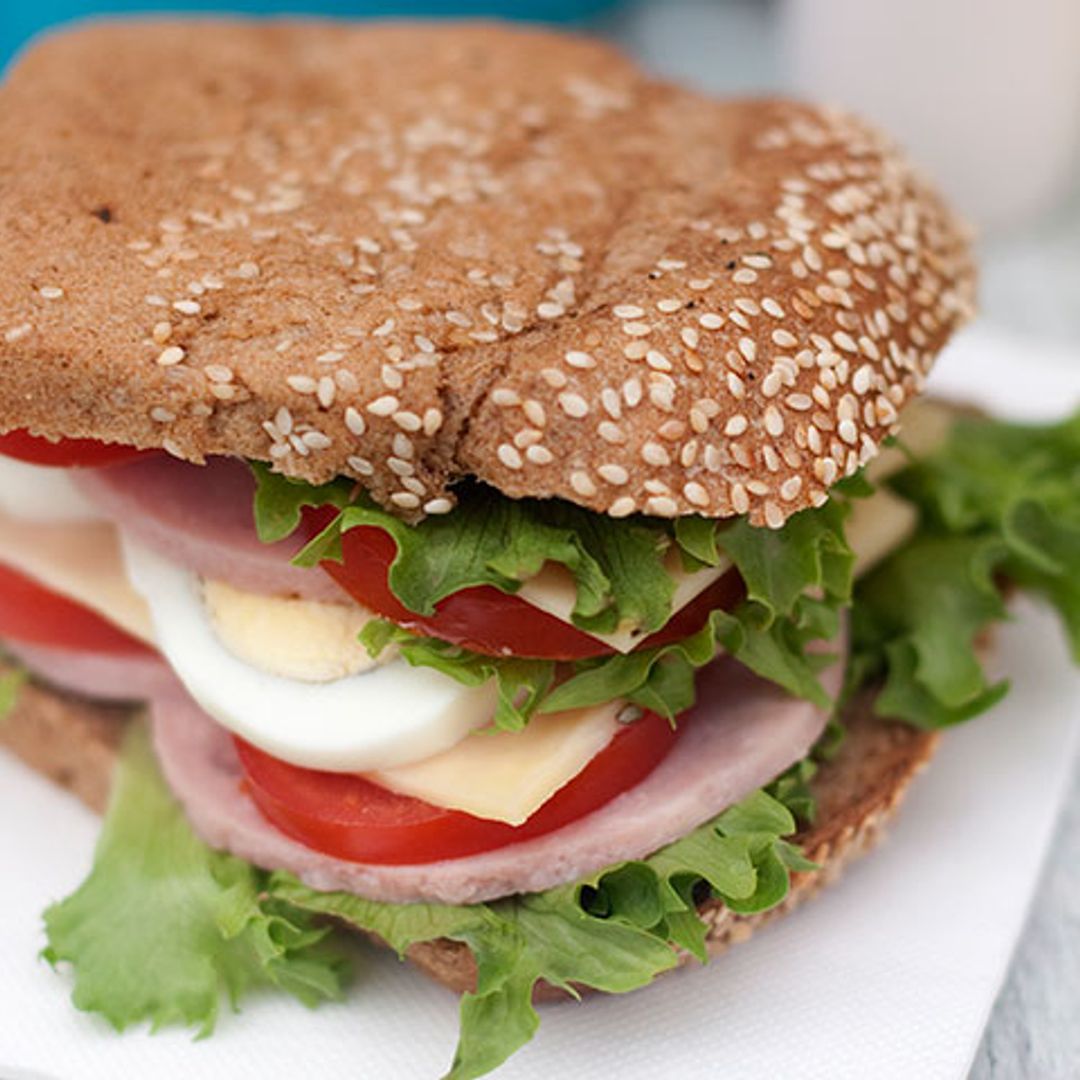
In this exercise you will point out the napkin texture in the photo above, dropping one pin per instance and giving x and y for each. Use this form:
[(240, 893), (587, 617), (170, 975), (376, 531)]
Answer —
[(891, 974)]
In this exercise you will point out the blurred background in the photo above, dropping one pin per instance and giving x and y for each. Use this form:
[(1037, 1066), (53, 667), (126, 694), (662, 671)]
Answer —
[(986, 96)]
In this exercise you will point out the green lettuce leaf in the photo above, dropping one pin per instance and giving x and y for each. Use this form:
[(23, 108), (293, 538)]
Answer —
[(618, 566), (164, 927), (615, 931), (279, 501), (798, 579), (998, 503), (11, 683)]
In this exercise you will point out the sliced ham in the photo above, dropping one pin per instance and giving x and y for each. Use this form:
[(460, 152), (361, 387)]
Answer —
[(107, 676), (744, 733), (201, 517)]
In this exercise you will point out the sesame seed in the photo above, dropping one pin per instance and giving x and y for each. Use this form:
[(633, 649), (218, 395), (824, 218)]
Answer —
[(386, 405), (302, 384), (438, 506), (632, 392), (847, 431), (711, 321), (636, 329), (162, 415), (17, 332), (509, 456), (636, 350), (433, 420), (218, 373), (613, 474), (771, 384), (770, 306), (550, 310), (658, 361), (332, 356), (170, 356), (740, 501), (405, 499), (355, 422), (577, 359), (627, 311), (399, 467), (860, 381), (360, 465), (622, 507), (574, 405), (540, 455), (662, 506), (790, 488), (785, 339), (162, 332), (774, 421), (744, 277), (610, 433), (748, 348), (582, 483), (187, 307), (696, 494), (799, 402), (50, 292), (408, 421), (654, 454), (247, 270), (316, 440), (690, 337), (669, 305), (611, 402), (554, 378), (774, 516)]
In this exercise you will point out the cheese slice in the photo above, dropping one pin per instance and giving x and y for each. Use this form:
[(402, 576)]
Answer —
[(80, 561), (507, 776), (553, 591)]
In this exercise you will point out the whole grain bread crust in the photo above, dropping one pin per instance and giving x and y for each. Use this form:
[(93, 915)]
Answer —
[(75, 744), (411, 253)]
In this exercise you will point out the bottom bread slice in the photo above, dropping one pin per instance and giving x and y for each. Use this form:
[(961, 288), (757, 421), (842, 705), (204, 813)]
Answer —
[(75, 743)]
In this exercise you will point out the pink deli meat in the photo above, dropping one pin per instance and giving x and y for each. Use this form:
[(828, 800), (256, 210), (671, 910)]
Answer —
[(106, 676), (744, 733), (200, 516)]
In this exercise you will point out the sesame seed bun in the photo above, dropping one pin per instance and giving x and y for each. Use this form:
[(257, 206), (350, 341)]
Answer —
[(410, 253)]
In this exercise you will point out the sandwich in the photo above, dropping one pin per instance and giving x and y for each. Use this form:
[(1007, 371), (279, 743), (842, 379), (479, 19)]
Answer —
[(460, 490)]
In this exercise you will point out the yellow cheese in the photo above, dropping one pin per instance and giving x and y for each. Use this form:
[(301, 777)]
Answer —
[(553, 591), (297, 639), (507, 776), (79, 560)]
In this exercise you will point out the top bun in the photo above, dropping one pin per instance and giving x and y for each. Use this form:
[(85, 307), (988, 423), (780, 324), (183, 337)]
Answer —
[(409, 253)]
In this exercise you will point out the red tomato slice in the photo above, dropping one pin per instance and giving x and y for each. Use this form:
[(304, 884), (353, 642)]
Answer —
[(488, 621), (31, 613), (346, 816), (65, 453)]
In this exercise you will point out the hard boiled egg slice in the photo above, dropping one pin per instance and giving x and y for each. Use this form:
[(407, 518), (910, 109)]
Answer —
[(42, 493), (385, 715)]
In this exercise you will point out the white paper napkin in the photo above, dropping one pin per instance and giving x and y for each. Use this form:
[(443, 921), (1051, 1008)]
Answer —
[(891, 974)]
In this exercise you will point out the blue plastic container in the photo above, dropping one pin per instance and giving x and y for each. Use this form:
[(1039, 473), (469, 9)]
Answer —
[(20, 20)]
